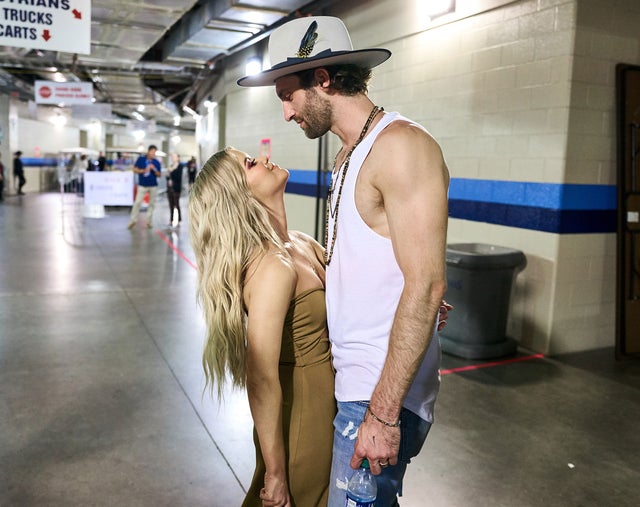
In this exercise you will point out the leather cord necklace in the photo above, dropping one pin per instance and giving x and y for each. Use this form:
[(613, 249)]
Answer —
[(333, 212)]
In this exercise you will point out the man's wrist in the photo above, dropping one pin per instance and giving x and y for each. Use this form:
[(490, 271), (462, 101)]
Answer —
[(394, 424)]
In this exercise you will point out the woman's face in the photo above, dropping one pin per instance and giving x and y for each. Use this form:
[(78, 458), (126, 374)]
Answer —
[(263, 177)]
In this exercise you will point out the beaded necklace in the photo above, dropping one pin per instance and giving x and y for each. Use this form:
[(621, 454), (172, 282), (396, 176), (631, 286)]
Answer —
[(334, 211)]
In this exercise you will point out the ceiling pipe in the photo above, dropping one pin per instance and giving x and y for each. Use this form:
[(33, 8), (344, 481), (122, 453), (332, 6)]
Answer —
[(310, 8)]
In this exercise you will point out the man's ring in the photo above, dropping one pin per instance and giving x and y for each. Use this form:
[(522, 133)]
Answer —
[(382, 465)]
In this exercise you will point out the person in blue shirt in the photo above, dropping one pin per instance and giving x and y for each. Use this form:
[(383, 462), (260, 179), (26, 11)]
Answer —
[(149, 170)]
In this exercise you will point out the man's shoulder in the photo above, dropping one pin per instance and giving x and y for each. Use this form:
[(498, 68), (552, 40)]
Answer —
[(400, 125), (403, 133)]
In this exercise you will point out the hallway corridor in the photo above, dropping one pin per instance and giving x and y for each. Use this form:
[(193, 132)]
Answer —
[(102, 403)]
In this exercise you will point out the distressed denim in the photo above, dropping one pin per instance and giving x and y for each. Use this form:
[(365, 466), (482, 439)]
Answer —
[(413, 433)]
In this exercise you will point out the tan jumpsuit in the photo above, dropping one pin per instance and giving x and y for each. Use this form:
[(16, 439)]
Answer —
[(306, 377)]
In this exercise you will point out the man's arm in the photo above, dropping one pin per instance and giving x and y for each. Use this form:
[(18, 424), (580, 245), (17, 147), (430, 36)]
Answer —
[(140, 166), (410, 175)]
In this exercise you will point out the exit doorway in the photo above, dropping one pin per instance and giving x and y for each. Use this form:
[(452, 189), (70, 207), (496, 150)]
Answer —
[(628, 241)]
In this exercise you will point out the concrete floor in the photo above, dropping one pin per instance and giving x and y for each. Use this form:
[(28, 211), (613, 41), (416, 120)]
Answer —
[(101, 399)]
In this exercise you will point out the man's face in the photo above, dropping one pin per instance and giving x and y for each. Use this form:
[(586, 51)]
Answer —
[(307, 108), (151, 153)]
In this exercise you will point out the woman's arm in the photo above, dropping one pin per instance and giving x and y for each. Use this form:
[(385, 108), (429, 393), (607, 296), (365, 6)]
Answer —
[(267, 296)]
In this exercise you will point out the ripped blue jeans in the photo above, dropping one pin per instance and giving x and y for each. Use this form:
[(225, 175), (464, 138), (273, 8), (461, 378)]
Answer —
[(413, 433)]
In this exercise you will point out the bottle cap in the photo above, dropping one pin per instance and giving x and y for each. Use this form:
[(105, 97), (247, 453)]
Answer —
[(365, 464)]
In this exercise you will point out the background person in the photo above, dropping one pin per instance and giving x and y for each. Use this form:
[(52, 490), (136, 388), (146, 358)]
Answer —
[(18, 172), (120, 163), (101, 163), (174, 187), (148, 169), (261, 288), (386, 241), (79, 170), (192, 170)]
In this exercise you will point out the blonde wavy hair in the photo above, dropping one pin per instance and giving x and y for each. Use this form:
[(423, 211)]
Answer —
[(228, 228)]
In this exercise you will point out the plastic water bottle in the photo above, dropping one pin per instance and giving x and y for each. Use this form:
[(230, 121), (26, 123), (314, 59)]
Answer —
[(362, 488)]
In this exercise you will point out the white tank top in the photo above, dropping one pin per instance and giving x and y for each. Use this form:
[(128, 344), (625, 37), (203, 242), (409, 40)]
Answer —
[(363, 288)]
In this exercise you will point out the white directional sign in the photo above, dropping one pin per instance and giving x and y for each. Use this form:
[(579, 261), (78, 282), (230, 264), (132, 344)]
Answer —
[(52, 92), (54, 25), (110, 188)]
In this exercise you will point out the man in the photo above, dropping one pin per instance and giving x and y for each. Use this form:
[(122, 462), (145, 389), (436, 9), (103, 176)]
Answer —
[(385, 249), (18, 171), (102, 162), (149, 170)]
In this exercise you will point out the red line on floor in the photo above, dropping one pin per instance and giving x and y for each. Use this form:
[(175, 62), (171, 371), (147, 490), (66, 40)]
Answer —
[(176, 249), (491, 364)]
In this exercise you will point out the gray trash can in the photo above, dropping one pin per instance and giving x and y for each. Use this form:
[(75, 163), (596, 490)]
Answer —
[(479, 281)]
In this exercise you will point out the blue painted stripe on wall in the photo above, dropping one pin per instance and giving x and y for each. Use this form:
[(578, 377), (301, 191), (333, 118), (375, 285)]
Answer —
[(548, 207), (544, 195), (39, 162), (304, 182), (535, 218)]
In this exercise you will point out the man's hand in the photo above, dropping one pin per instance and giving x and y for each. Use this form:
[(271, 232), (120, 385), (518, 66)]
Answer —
[(378, 443)]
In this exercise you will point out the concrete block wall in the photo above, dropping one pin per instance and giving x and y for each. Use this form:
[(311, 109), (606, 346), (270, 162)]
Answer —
[(494, 89), (518, 92), (606, 34)]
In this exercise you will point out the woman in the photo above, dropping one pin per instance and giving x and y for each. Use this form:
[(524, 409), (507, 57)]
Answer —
[(261, 288), (174, 187), (192, 170)]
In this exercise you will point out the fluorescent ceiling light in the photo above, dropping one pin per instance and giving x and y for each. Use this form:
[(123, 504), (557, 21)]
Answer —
[(253, 67), (187, 109), (435, 8)]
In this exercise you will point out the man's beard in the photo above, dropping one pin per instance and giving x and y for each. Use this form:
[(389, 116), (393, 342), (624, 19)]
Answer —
[(317, 115)]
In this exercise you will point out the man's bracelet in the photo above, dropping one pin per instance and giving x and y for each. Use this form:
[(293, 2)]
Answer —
[(394, 425)]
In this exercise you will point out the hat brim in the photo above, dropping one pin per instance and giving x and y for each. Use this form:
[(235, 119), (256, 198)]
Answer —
[(368, 58)]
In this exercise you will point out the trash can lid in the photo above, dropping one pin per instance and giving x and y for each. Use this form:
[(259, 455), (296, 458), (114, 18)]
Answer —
[(485, 256)]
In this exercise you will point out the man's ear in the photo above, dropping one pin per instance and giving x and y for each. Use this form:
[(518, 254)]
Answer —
[(322, 77)]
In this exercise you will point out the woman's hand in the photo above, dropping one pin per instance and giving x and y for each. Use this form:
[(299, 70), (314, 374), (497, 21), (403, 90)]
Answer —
[(443, 314), (275, 492)]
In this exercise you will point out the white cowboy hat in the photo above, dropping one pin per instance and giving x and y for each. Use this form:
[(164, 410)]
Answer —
[(310, 42)]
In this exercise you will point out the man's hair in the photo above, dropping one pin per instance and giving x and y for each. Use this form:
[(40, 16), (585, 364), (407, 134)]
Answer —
[(346, 79), (152, 147)]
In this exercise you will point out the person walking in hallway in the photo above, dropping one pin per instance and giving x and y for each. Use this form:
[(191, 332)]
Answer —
[(385, 249), (148, 169), (174, 187), (18, 172), (192, 170)]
